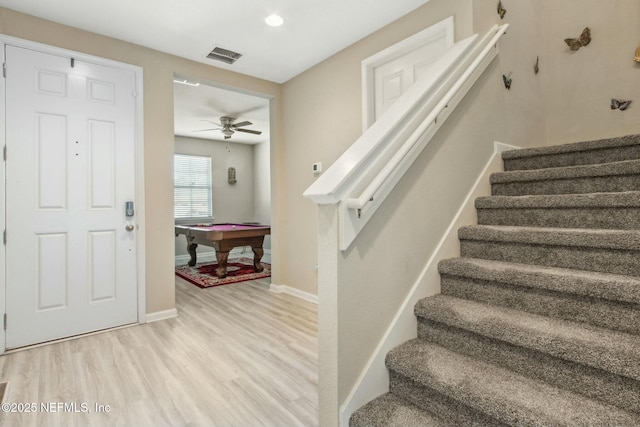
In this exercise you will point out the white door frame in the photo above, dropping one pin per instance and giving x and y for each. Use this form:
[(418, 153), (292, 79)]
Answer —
[(139, 165), (444, 28)]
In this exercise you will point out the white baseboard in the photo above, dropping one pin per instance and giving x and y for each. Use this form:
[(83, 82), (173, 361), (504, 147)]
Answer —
[(374, 379), (210, 256), (161, 315), (294, 292)]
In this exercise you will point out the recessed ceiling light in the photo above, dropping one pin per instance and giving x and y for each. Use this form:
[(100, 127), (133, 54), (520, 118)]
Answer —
[(274, 20)]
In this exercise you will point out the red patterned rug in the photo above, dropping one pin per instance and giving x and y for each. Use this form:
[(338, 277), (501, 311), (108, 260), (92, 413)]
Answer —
[(203, 274)]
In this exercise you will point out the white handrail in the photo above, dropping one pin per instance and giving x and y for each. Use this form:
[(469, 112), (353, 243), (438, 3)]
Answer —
[(431, 120), (367, 171)]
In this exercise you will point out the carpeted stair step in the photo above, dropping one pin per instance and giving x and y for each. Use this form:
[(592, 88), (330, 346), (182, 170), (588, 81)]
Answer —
[(390, 411), (452, 386), (598, 210), (607, 251), (581, 153), (601, 299), (598, 178), (594, 361)]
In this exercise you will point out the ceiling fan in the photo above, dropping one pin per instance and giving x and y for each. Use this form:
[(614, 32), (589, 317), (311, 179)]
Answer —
[(228, 127)]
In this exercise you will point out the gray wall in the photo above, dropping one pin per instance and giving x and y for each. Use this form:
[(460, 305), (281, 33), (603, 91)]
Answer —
[(249, 198)]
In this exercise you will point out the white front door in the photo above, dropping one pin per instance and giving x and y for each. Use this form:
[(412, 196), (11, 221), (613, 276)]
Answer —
[(70, 135)]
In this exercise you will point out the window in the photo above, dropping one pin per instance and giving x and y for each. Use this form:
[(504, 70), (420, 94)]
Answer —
[(192, 187)]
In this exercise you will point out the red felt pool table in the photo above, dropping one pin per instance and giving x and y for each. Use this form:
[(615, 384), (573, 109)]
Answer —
[(223, 238)]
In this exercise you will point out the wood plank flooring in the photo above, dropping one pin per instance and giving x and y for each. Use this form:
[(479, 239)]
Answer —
[(237, 355)]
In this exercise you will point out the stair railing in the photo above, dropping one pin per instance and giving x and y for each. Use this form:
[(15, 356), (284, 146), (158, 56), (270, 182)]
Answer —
[(361, 179)]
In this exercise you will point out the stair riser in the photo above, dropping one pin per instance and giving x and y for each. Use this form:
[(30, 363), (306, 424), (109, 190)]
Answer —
[(584, 185), (444, 407), (619, 316), (616, 154), (616, 390), (579, 258), (604, 218)]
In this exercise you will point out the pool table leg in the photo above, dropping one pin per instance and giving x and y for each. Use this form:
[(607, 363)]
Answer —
[(257, 256), (191, 248), (222, 258)]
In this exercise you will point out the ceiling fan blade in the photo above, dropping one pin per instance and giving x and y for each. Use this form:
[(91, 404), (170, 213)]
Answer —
[(255, 132), (206, 130), (245, 123), (209, 121)]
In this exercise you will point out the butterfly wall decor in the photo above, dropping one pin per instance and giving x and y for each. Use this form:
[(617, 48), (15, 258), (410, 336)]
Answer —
[(536, 66), (619, 104), (507, 81), (583, 40), (501, 10)]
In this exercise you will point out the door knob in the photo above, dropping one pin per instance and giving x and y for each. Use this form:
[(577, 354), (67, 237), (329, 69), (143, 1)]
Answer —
[(129, 227)]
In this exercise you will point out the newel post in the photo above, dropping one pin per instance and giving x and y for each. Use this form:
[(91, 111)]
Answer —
[(328, 257)]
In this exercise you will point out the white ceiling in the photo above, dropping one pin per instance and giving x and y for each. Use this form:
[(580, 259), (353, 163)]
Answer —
[(313, 30), (194, 105)]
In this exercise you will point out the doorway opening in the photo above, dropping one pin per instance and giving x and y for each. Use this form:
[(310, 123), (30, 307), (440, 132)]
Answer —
[(230, 129)]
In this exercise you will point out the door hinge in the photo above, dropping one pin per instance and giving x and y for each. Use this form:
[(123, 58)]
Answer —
[(4, 153), (4, 70), (5, 321), (4, 237)]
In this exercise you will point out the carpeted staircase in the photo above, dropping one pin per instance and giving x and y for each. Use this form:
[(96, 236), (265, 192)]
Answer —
[(538, 322)]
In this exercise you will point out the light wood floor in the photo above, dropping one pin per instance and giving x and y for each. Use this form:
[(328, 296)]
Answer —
[(237, 355)]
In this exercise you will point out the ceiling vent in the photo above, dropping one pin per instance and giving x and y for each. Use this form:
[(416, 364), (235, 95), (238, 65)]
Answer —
[(224, 55)]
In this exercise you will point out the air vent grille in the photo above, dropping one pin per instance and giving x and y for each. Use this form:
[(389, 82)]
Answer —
[(225, 55)]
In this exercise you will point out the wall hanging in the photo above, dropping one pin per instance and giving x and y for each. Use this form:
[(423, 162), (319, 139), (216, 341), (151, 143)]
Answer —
[(637, 57), (507, 81), (619, 104), (501, 10), (583, 40), (231, 176)]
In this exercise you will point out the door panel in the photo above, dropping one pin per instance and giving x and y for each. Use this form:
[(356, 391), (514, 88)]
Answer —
[(71, 264), (394, 77), (51, 161), (389, 73), (102, 146), (51, 272)]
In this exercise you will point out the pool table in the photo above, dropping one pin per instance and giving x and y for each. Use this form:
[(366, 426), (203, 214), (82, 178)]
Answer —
[(223, 238)]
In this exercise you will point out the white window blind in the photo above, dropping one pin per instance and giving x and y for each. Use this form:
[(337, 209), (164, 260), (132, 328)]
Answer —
[(192, 187)]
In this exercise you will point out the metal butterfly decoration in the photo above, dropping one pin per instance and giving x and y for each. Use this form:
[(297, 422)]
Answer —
[(501, 10), (507, 81), (536, 66), (583, 40), (619, 104)]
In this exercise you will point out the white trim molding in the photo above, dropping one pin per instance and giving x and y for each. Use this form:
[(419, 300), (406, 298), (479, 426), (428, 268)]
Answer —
[(284, 289), (161, 315)]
